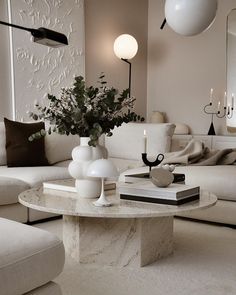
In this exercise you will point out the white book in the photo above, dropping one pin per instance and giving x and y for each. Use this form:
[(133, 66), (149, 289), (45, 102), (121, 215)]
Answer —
[(68, 185), (174, 191)]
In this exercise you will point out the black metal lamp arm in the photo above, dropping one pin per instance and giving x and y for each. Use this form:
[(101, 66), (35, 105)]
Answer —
[(18, 27), (42, 35), (128, 62), (163, 24)]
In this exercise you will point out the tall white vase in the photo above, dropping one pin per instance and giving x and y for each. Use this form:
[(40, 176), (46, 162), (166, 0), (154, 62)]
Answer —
[(83, 155)]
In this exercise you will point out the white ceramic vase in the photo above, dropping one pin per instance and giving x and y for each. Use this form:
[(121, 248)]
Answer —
[(83, 155), (157, 117)]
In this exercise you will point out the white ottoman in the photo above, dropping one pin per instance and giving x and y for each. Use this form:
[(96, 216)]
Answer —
[(29, 258)]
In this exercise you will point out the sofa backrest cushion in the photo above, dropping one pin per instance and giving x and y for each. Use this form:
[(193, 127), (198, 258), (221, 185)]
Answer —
[(3, 154), (20, 151), (127, 141), (59, 147)]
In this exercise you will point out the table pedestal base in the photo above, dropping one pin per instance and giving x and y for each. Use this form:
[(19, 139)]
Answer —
[(120, 242)]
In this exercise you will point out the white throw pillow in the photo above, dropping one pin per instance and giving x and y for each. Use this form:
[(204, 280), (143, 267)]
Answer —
[(3, 155), (127, 141), (59, 147)]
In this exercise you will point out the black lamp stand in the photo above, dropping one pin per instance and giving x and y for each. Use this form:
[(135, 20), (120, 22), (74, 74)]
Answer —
[(128, 62)]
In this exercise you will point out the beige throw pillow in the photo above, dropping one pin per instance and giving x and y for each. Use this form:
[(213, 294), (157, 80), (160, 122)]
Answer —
[(58, 147), (127, 141)]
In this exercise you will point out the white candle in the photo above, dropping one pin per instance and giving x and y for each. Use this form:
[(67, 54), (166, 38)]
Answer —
[(211, 95), (144, 141), (225, 99), (218, 106)]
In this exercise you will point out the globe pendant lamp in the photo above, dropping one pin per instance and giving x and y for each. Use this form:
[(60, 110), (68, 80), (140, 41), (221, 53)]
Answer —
[(190, 17), (125, 48)]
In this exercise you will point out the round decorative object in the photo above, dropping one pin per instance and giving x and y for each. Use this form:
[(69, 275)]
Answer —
[(125, 46), (161, 177), (83, 156), (181, 128), (169, 167), (190, 17), (157, 117)]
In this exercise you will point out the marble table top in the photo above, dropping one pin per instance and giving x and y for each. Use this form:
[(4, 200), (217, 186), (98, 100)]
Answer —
[(67, 203)]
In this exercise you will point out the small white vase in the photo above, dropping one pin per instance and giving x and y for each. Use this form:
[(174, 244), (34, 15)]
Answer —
[(157, 117), (83, 155)]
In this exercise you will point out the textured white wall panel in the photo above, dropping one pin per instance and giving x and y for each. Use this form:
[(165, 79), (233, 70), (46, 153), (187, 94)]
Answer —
[(39, 69), (5, 76)]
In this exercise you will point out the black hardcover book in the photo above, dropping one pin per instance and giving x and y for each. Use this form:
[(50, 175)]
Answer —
[(159, 201)]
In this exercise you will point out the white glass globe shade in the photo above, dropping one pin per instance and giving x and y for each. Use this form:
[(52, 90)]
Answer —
[(125, 46), (190, 17), (102, 168)]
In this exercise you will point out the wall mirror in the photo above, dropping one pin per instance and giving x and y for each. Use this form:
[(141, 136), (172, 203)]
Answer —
[(231, 65)]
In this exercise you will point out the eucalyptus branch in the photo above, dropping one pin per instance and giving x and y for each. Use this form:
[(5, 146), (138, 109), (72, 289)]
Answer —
[(87, 111)]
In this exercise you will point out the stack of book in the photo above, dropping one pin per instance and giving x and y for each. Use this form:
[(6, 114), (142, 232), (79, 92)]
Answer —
[(131, 178), (63, 186), (146, 191)]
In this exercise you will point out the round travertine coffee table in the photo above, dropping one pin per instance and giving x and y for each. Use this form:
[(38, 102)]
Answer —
[(126, 234)]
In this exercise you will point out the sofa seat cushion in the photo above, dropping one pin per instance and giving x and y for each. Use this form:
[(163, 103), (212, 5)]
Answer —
[(34, 176), (10, 188), (29, 257), (219, 179)]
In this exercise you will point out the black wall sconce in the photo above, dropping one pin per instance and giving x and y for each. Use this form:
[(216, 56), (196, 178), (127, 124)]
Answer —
[(43, 36)]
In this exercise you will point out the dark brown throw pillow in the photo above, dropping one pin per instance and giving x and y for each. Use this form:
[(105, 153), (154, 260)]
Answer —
[(20, 151)]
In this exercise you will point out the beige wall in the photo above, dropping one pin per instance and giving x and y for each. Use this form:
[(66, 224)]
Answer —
[(182, 70), (231, 63), (104, 21), (5, 86)]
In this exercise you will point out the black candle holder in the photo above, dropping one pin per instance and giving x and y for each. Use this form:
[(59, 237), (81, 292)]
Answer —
[(159, 159), (226, 113)]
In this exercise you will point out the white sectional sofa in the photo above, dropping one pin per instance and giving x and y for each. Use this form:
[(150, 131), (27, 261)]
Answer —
[(124, 148), (17, 179), (219, 179)]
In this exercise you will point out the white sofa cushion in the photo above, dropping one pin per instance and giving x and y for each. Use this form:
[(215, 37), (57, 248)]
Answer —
[(3, 154), (127, 140), (59, 147), (29, 257), (219, 179), (34, 176), (10, 188)]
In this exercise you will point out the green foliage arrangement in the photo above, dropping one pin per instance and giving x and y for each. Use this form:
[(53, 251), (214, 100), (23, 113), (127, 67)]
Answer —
[(86, 111)]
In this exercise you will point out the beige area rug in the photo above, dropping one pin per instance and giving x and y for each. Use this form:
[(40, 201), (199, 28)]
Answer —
[(203, 263)]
